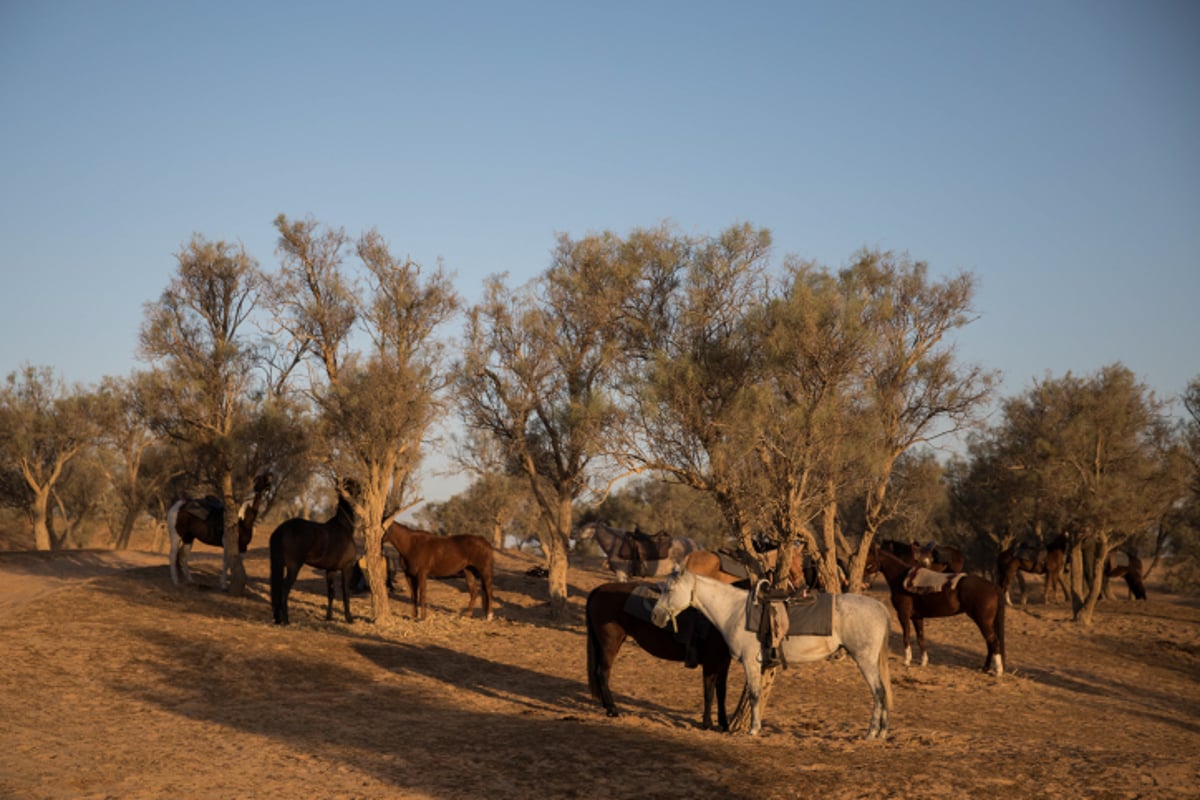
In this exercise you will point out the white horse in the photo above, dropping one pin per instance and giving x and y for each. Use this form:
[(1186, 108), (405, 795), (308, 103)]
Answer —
[(627, 556), (860, 625)]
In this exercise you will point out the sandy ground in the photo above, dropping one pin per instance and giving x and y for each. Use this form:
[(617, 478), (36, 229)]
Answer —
[(115, 683)]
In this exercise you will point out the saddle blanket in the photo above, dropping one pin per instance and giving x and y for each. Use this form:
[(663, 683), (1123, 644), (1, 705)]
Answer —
[(927, 581), (810, 616), (641, 602)]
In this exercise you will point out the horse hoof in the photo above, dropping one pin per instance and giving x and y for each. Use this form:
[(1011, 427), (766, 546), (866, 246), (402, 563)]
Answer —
[(612, 712)]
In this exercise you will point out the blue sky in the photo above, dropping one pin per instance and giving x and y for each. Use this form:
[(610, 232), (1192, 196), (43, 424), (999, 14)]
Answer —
[(1049, 148)]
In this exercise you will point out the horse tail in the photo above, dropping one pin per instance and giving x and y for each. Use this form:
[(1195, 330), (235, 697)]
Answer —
[(277, 566), (885, 673), (593, 650), (174, 538)]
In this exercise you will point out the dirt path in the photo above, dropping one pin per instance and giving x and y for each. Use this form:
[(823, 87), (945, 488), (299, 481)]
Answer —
[(29, 576)]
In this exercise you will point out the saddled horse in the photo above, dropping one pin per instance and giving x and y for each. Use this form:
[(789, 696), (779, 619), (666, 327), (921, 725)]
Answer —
[(944, 595), (203, 520), (425, 556), (612, 617), (860, 626), (635, 554), (325, 545), (1051, 562)]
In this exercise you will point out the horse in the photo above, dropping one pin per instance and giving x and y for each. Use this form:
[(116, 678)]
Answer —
[(203, 520), (425, 555), (978, 598), (941, 557), (325, 545), (609, 622), (633, 553), (860, 626), (1050, 562), (1131, 572), (709, 564)]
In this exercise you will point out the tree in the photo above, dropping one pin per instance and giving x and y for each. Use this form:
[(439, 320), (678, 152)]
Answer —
[(689, 389), (204, 373), (128, 441), (1098, 447), (537, 374), (917, 392), (43, 428), (375, 408)]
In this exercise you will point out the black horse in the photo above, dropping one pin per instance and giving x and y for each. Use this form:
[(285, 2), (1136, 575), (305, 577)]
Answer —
[(324, 545), (612, 617)]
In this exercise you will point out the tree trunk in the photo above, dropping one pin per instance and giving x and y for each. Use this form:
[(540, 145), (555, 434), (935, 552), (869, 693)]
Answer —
[(125, 532), (1099, 552), (237, 570), (558, 560), (829, 565), (381, 607), (39, 513), (739, 720)]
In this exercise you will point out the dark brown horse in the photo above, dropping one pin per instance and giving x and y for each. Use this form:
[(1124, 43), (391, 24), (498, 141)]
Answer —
[(203, 520), (611, 619), (978, 598), (1131, 571), (941, 557), (425, 556), (1051, 562), (325, 545)]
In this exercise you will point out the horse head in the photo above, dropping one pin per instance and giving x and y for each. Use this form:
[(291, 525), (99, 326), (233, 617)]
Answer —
[(675, 598)]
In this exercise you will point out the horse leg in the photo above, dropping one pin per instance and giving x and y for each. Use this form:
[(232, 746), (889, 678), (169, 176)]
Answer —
[(185, 550), (468, 574), (715, 679), (346, 596), (412, 590), (752, 666), (991, 640), (603, 645), (291, 572), (485, 577), (919, 627), (174, 558), (419, 596), (905, 621), (225, 570), (329, 594)]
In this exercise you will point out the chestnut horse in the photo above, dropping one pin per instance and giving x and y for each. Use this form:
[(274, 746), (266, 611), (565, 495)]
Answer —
[(610, 622), (978, 598), (185, 525), (425, 556), (708, 564), (1051, 562), (325, 545)]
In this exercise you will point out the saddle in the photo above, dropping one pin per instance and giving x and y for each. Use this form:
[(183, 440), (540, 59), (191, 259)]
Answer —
[(775, 615), (209, 509), (927, 581), (637, 548)]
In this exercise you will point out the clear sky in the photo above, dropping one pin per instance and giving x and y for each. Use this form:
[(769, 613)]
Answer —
[(1051, 148)]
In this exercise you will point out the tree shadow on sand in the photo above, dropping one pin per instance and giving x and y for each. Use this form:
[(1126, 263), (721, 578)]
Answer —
[(421, 739)]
